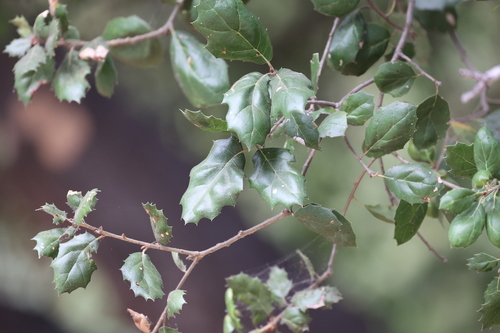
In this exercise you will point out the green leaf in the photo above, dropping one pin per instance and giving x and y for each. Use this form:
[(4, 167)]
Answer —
[(346, 42), (493, 219), (40, 27), (165, 329), (69, 81), (330, 224), (426, 155), (395, 79), (413, 182), (72, 33), (74, 199), (335, 7), (486, 151), (408, 220), (289, 92), (491, 307), (279, 283), (390, 129), (334, 125), (52, 38), (383, 213), (31, 61), (460, 158), (359, 108), (275, 180), (18, 47), (315, 70), (23, 27), (215, 182), (28, 83), (249, 106), (161, 230), (232, 319), (301, 126), (458, 200), (144, 278), (437, 20), (105, 77), (61, 13), (467, 226), (433, 116), (435, 4), (178, 262), (232, 32), (51, 209), (202, 77), (482, 262), (316, 298), (73, 266), (308, 263), (47, 242), (145, 53), (175, 301), (296, 320), (408, 50), (86, 205), (206, 123)]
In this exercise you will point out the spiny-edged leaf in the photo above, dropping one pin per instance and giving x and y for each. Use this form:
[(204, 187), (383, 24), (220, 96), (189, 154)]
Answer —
[(31, 61), (347, 41), (207, 123), (335, 7), (18, 47), (491, 307), (40, 27), (275, 180), (105, 77), (308, 263), (279, 283), (69, 81), (145, 53), (390, 129), (144, 278), (175, 300), (395, 79), (359, 108), (289, 92), (383, 213), (53, 37), (482, 262), (328, 223), (413, 182), (74, 199), (23, 27), (253, 293), (232, 31), (28, 83), (300, 126), (166, 329), (86, 205), (59, 215), (460, 158), (437, 20), (47, 242), (215, 182), (458, 200), (408, 220), (486, 151), (178, 262), (315, 71), (316, 298), (161, 230), (296, 320), (433, 116), (202, 77), (73, 266), (249, 107), (333, 125), (467, 226)]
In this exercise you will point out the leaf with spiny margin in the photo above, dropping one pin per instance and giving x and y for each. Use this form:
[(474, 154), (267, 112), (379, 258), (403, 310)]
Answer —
[(301, 126), (482, 262), (346, 42), (144, 278), (31, 61), (383, 213), (178, 262), (105, 77), (395, 79), (359, 108), (161, 230), (28, 83), (408, 219), (433, 116), (315, 70), (202, 77), (328, 223), (23, 27), (460, 158), (175, 300), (232, 31), (215, 182), (458, 200), (249, 107), (74, 199), (491, 307), (316, 298), (51, 209), (296, 320), (69, 81), (279, 284), (53, 37), (289, 92), (18, 47), (73, 266), (335, 7), (253, 293), (275, 180), (47, 242), (308, 263), (413, 182), (206, 123), (390, 129), (334, 125), (40, 27), (86, 205), (486, 151)]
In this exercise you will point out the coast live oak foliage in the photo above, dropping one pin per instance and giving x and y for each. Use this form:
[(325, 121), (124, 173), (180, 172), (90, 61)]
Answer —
[(262, 106)]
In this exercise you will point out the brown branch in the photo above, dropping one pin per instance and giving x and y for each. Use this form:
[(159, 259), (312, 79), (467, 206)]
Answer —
[(327, 48), (409, 20), (356, 89), (383, 15), (461, 50), (417, 66), (392, 199), (433, 250), (355, 187), (359, 158)]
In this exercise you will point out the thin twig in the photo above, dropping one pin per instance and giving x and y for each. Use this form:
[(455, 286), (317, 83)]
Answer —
[(461, 50), (359, 158), (450, 185), (308, 162), (417, 66), (402, 40), (433, 250), (275, 126), (380, 100), (443, 150), (399, 157), (327, 48), (356, 89), (392, 198), (355, 187), (383, 15)]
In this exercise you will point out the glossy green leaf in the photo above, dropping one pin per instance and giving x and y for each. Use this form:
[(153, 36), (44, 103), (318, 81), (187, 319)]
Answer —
[(206, 123), (86, 205), (52, 38), (69, 81), (359, 108), (28, 83), (328, 223), (307, 263), (18, 47), (106, 77), (73, 266), (74, 199), (493, 220), (426, 155), (467, 226), (144, 278), (433, 116), (23, 27), (458, 200), (315, 70), (408, 220), (482, 262), (175, 301), (413, 182), (301, 127), (249, 107), (334, 125), (390, 129), (486, 151), (395, 79), (202, 77), (335, 7), (275, 180), (161, 230), (178, 262), (31, 61), (232, 31), (47, 242), (145, 53), (347, 41), (460, 158), (215, 182), (279, 283), (51, 209), (491, 307), (437, 20), (383, 213), (316, 298), (296, 320)]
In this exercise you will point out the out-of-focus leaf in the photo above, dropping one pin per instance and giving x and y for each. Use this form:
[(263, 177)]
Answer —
[(316, 298), (52, 38), (491, 306), (31, 61), (207, 123), (308, 263), (395, 79), (458, 200), (467, 226), (72, 33), (486, 151), (383, 213), (28, 83), (315, 70), (421, 155), (161, 230), (334, 125), (23, 27), (166, 329), (347, 41), (437, 20), (18, 47), (144, 278), (301, 125), (69, 81), (335, 7), (279, 283), (51, 209), (74, 199), (175, 301), (178, 262), (460, 157), (433, 116), (296, 320), (232, 319), (482, 262), (86, 205), (359, 108), (408, 220), (105, 77), (435, 4), (47, 242)]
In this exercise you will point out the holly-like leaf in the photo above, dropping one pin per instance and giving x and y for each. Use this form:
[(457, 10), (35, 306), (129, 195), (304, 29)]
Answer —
[(175, 301), (73, 266), (390, 129), (315, 70), (301, 126), (316, 298), (359, 108), (206, 123), (491, 307), (31, 61), (53, 37), (28, 83), (395, 79), (458, 200), (275, 180), (47, 242), (69, 81), (467, 226), (51, 209), (408, 220), (460, 157), (482, 262), (178, 262), (335, 7), (296, 320), (232, 31), (86, 205), (249, 107), (334, 125), (433, 116), (23, 27), (215, 182), (74, 199), (413, 182), (346, 42), (18, 47), (486, 151), (279, 283), (161, 230), (144, 278), (105, 77), (202, 77), (383, 213)]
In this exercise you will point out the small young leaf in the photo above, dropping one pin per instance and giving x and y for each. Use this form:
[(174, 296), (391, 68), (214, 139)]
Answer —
[(359, 108), (316, 298), (482, 262), (23, 27), (144, 278), (335, 7), (301, 125), (28, 83), (433, 116), (74, 199), (315, 70), (395, 79), (18, 47), (31, 61), (105, 77), (59, 215), (383, 213), (178, 262), (279, 283), (460, 157), (296, 320), (161, 230), (175, 300), (308, 263), (458, 200), (52, 38), (206, 123), (69, 81), (491, 306), (408, 220), (334, 125), (486, 151), (467, 226), (47, 242), (346, 42), (86, 205)]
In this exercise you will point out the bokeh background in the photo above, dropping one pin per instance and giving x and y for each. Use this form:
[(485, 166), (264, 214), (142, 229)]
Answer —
[(137, 147)]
